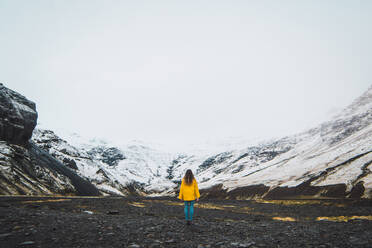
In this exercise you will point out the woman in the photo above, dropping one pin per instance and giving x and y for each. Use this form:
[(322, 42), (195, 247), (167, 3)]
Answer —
[(188, 193)]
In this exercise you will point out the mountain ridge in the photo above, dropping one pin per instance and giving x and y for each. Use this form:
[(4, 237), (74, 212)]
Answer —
[(238, 168), (332, 159)]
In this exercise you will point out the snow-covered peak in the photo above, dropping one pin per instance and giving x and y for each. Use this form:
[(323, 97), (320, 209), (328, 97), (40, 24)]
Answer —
[(359, 106), (336, 146)]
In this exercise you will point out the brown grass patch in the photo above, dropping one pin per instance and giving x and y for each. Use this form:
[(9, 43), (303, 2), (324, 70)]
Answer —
[(343, 218), (290, 219), (48, 200)]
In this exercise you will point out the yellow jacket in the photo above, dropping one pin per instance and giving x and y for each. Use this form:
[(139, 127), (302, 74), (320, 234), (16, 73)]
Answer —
[(189, 192)]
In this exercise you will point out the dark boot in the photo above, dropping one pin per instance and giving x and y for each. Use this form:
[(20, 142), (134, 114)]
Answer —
[(188, 222)]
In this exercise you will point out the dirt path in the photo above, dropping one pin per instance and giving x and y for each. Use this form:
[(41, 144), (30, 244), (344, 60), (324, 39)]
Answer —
[(159, 222)]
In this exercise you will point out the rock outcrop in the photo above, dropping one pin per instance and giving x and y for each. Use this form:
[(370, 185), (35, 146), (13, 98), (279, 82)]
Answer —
[(26, 169), (18, 117)]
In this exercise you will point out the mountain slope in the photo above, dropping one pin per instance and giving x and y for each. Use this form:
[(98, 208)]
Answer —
[(127, 169), (332, 159)]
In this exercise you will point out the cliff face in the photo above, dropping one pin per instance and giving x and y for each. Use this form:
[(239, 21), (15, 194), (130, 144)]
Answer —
[(24, 167), (18, 117)]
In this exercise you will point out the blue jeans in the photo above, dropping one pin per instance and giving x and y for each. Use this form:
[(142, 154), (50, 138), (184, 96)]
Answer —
[(189, 209)]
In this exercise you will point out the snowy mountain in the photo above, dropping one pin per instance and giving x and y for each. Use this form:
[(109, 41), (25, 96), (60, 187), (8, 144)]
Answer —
[(332, 159), (126, 169)]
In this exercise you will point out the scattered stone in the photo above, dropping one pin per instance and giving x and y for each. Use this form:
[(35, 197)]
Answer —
[(154, 245), (134, 246), (27, 243), (113, 212), (150, 235), (357, 241), (242, 245), (4, 235), (261, 245), (34, 206)]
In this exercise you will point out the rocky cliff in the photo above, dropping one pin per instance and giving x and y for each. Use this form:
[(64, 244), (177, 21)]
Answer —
[(18, 117), (24, 167)]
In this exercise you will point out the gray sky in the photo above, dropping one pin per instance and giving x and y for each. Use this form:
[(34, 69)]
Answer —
[(176, 72)]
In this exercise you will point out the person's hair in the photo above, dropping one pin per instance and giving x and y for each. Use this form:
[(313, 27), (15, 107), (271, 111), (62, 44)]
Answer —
[(189, 177)]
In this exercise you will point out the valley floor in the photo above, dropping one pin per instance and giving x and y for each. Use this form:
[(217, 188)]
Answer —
[(159, 222)]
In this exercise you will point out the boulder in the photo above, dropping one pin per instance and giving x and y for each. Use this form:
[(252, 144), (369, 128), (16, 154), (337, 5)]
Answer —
[(18, 117)]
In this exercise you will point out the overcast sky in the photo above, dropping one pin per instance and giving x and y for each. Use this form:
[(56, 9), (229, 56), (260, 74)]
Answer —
[(179, 72)]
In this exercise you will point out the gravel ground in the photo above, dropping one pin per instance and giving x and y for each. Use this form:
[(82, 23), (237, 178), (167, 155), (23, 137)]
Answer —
[(159, 222)]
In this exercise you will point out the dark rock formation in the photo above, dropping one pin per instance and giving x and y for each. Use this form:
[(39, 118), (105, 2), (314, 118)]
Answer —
[(81, 186), (108, 155), (70, 163), (24, 167), (18, 117), (211, 161), (357, 191)]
